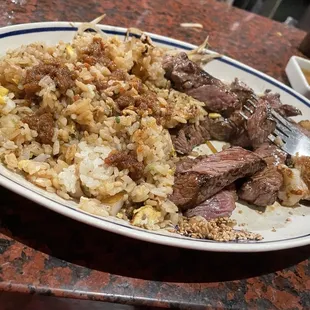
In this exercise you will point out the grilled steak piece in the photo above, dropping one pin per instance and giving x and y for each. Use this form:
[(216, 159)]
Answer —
[(242, 139), (230, 130), (217, 98), (271, 154), (198, 179), (188, 77), (260, 125), (242, 91), (274, 101), (262, 188), (189, 136), (222, 129), (253, 133), (220, 205), (184, 139), (185, 74), (288, 110)]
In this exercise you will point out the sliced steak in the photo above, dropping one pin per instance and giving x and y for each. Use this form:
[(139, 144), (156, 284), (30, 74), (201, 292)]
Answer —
[(221, 204), (185, 74), (288, 110), (284, 109), (230, 130), (186, 163), (184, 139), (188, 77), (200, 179), (235, 130), (242, 139), (262, 188), (271, 154), (222, 129), (260, 125), (216, 98), (242, 91), (189, 136)]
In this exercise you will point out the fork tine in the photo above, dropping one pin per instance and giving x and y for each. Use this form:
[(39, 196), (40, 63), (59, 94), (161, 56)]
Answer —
[(280, 118), (280, 134), (243, 115), (283, 146), (272, 138), (252, 103), (283, 129), (248, 109), (293, 140)]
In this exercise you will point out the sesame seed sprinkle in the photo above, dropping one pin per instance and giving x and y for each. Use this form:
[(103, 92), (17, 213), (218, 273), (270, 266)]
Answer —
[(219, 229)]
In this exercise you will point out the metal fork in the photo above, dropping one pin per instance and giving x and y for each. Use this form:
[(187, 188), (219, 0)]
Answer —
[(286, 135)]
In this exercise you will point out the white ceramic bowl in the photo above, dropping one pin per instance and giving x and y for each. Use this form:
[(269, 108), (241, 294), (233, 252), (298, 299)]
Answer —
[(295, 75)]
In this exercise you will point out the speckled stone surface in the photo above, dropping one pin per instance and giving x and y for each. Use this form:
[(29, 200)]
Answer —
[(45, 253)]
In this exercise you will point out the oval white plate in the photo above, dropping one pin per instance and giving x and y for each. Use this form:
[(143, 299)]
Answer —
[(278, 233)]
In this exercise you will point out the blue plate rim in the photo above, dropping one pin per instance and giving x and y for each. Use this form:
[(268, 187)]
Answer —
[(236, 246)]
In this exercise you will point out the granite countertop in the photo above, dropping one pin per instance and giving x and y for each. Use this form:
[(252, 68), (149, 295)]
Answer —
[(45, 253)]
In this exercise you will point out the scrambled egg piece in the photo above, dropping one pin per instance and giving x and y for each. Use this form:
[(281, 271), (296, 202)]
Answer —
[(214, 115), (31, 166), (3, 91), (70, 51), (6, 104), (146, 217)]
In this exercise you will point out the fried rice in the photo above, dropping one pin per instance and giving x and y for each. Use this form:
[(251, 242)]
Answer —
[(60, 121)]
